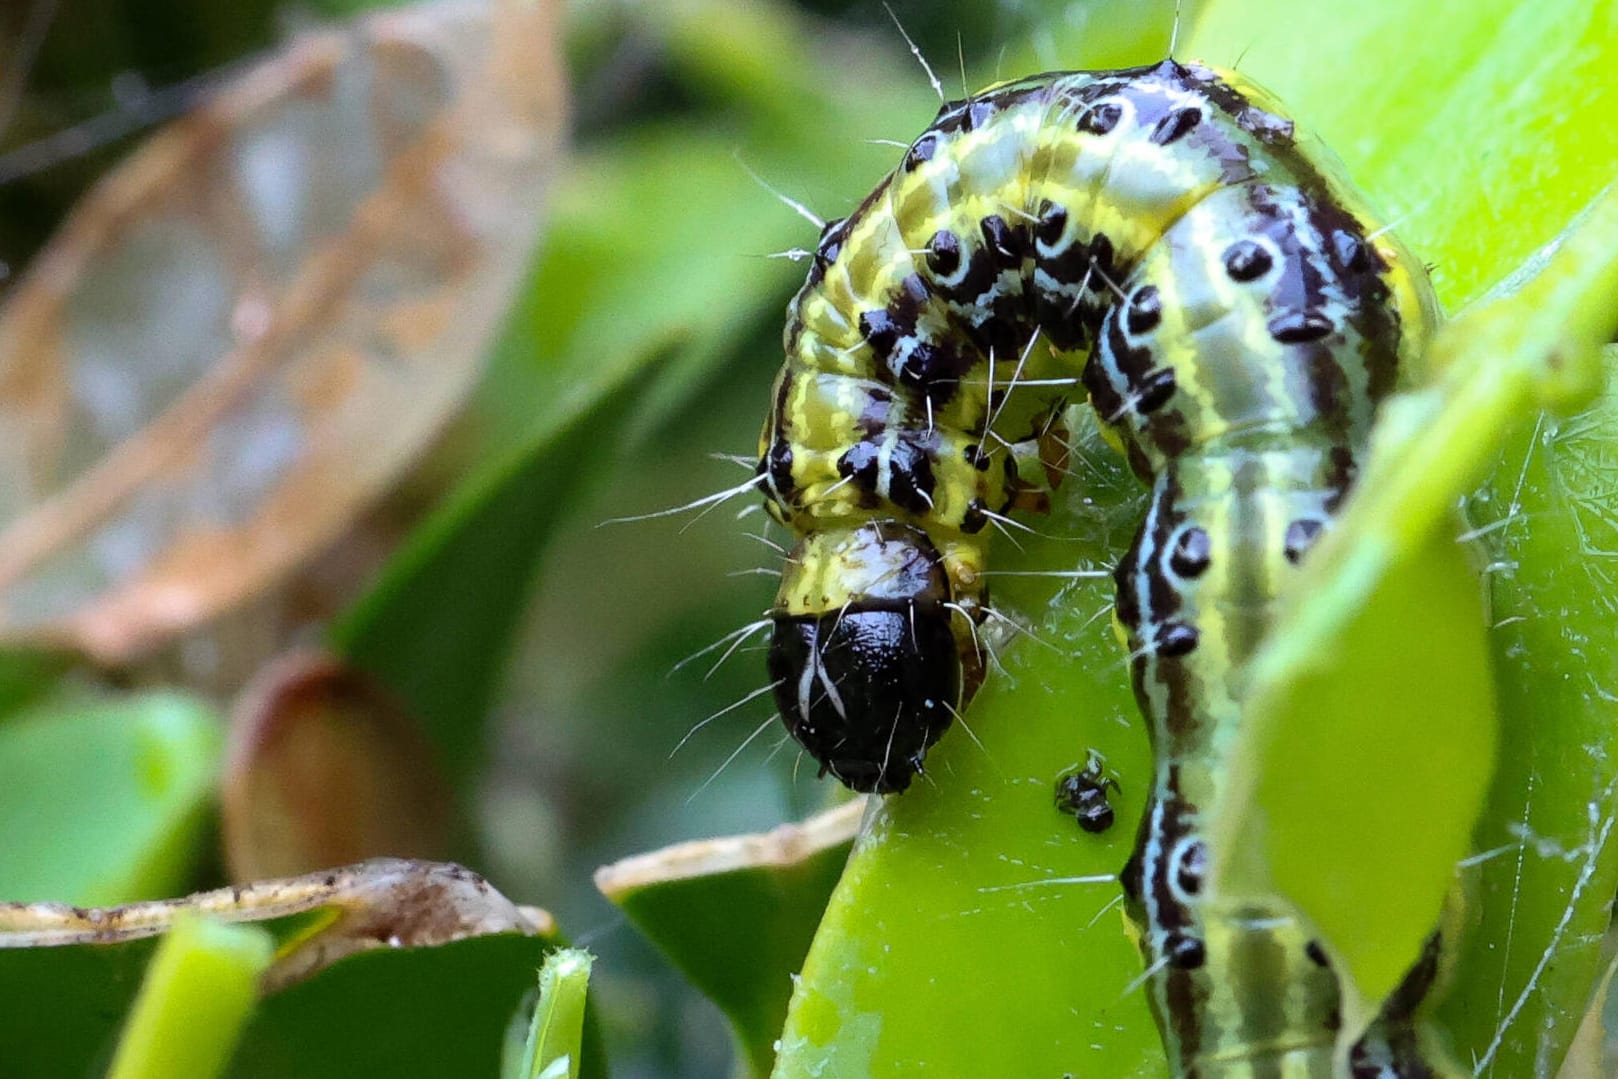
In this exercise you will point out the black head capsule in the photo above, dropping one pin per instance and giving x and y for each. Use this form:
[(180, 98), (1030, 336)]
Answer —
[(865, 664)]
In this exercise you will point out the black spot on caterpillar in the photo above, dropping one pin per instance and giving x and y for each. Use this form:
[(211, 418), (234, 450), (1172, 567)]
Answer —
[(1160, 236)]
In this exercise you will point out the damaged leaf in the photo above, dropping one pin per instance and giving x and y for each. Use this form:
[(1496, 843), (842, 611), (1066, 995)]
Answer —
[(388, 967), (246, 332), (318, 918)]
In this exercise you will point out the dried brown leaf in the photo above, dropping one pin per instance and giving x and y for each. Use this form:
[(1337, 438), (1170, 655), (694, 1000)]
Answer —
[(247, 331), (384, 903), (784, 845), (324, 767)]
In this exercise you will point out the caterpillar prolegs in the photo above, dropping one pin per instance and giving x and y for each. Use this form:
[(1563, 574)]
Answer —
[(1161, 237)]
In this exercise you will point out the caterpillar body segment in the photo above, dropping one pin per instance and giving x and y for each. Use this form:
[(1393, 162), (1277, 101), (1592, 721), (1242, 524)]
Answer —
[(1157, 240), (1266, 309), (1210, 525)]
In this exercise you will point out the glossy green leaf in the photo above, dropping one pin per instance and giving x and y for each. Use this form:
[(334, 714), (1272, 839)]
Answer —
[(197, 994), (103, 800), (736, 915)]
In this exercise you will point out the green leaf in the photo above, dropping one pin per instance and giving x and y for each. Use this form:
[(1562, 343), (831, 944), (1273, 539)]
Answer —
[(26, 675), (415, 1012), (613, 292), (1544, 890), (556, 1032), (405, 1013), (736, 915), (199, 991), (103, 800), (1391, 722), (64, 1006)]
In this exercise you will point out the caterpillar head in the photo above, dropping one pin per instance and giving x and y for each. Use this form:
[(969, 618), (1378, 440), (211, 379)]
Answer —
[(867, 659)]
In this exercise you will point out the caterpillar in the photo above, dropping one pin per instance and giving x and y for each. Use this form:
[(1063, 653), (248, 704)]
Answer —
[(1161, 238)]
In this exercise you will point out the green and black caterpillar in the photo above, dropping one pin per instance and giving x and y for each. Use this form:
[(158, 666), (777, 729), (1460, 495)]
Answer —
[(1161, 237)]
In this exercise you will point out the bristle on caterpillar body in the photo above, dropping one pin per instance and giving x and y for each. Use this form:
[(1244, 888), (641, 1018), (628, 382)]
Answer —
[(1161, 236)]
